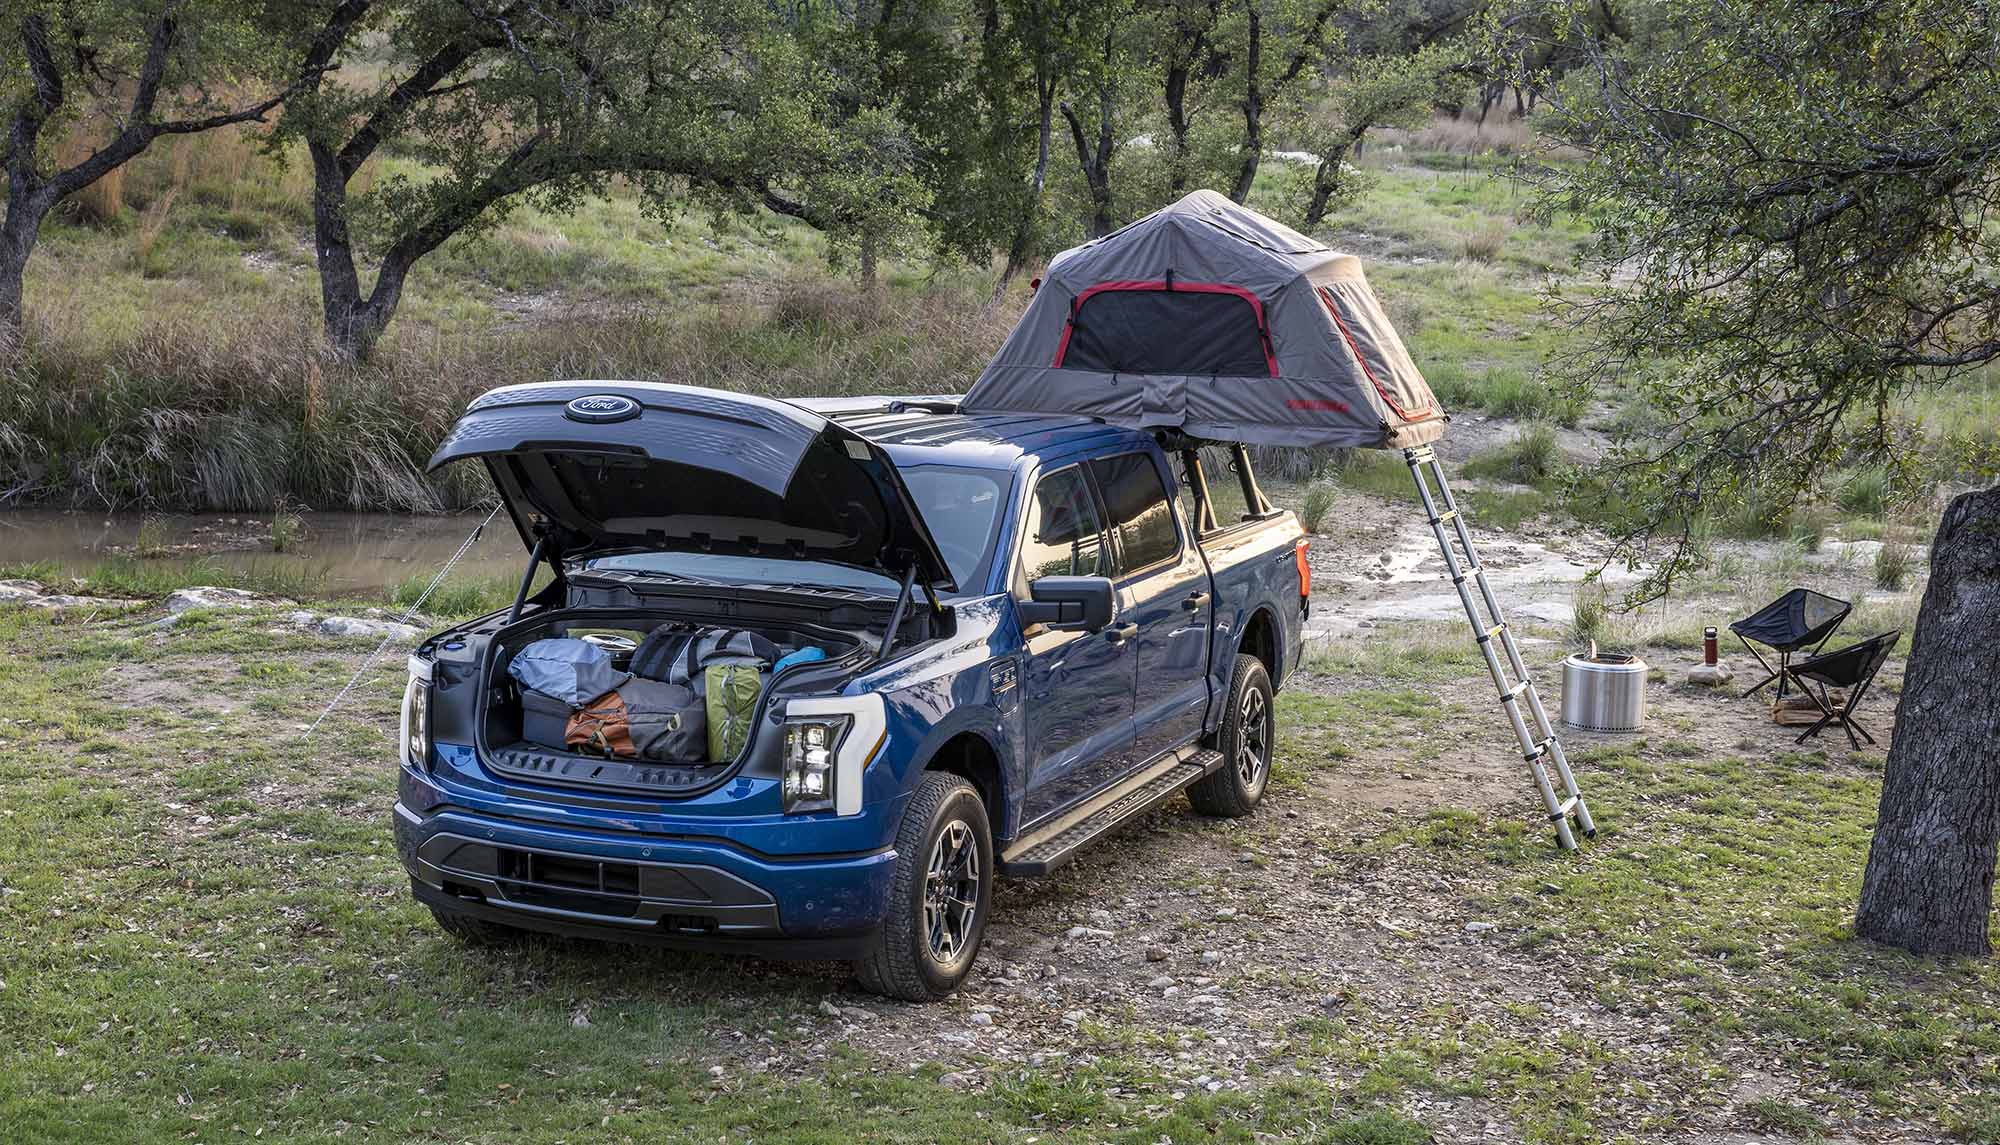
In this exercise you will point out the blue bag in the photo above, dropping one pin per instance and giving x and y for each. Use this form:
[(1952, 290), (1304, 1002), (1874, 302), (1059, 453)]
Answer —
[(573, 671), (805, 655)]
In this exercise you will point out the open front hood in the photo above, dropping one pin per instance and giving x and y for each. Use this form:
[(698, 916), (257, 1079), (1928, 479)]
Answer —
[(616, 466)]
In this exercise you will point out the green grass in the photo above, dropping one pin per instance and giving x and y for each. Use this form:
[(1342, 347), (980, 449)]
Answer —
[(209, 937), (1717, 901)]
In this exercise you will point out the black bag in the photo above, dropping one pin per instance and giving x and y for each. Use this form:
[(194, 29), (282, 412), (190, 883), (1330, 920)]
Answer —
[(655, 656), (544, 718), (721, 646)]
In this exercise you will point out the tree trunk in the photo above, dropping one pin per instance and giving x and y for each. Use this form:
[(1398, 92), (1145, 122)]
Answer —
[(1326, 184), (1929, 883), (13, 263), (1177, 129), (869, 280), (1253, 111), (1017, 251)]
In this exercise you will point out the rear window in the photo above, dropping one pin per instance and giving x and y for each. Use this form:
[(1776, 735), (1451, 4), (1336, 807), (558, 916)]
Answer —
[(1136, 501)]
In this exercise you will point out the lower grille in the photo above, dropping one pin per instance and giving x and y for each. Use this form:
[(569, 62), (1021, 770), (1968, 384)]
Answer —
[(685, 899)]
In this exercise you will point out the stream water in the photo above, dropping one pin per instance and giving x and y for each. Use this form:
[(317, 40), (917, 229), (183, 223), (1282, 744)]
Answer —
[(361, 554)]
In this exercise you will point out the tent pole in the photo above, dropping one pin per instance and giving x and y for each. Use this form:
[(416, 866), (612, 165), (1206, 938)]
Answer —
[(1259, 504), (1198, 479)]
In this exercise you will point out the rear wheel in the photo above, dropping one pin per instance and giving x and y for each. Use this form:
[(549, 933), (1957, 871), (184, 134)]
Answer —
[(476, 931), (941, 895), (1245, 739)]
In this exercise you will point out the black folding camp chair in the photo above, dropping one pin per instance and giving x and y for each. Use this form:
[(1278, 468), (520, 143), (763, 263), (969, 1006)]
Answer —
[(1853, 668), (1799, 619)]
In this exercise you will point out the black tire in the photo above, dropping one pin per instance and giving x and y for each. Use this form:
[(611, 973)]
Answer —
[(476, 931), (928, 941), (1248, 731)]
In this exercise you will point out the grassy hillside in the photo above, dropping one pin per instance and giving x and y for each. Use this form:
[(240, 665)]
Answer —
[(174, 362)]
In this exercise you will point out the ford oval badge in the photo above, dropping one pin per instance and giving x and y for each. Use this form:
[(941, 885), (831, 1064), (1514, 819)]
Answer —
[(601, 407)]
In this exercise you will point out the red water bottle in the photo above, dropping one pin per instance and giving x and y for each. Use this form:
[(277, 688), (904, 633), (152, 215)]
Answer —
[(1708, 646)]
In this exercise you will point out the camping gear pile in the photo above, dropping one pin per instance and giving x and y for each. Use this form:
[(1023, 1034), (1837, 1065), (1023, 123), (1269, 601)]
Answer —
[(1822, 688), (685, 694)]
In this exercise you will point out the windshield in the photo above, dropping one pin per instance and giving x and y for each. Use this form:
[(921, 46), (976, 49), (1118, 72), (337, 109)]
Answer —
[(960, 506)]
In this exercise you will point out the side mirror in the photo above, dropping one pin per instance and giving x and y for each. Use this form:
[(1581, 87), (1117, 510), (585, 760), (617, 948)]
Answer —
[(1069, 603)]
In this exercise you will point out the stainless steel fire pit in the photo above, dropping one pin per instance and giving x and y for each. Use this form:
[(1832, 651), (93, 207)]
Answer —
[(1604, 691)]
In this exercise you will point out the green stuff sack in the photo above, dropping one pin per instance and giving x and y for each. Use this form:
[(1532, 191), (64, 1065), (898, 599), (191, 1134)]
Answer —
[(731, 692)]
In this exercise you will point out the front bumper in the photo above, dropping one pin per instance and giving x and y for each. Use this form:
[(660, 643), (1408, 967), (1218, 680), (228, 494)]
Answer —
[(673, 891)]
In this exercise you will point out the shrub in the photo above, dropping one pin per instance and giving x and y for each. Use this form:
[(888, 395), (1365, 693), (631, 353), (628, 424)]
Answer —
[(1592, 617), (1892, 566), (1513, 393), (1532, 458), (1484, 245), (1865, 491), (1319, 498), (287, 527)]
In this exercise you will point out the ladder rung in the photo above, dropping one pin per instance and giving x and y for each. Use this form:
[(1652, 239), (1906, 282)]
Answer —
[(1540, 749), (1468, 574), (1491, 632), (1568, 805), (1514, 693), (1447, 515)]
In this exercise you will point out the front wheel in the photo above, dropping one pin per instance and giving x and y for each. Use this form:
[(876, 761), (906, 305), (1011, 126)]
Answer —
[(940, 896), (1245, 739)]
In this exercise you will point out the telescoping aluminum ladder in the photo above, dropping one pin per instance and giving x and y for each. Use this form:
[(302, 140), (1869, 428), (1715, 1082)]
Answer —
[(1540, 745)]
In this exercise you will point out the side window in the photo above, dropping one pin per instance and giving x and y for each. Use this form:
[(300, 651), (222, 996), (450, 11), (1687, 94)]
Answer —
[(1136, 501), (1063, 537)]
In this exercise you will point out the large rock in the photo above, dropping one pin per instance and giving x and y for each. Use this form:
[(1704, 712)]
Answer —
[(30, 593), (374, 629), (209, 596)]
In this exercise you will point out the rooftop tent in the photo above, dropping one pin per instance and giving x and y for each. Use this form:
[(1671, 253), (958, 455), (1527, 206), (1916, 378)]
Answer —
[(1209, 318)]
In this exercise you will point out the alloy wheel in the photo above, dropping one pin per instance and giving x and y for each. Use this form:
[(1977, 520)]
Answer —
[(951, 892), (1253, 741)]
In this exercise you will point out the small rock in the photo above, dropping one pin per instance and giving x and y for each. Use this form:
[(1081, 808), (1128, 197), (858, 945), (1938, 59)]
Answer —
[(1170, 991), (981, 1018), (957, 1081), (1210, 957), (1088, 932), (1101, 917), (1480, 927), (829, 1009), (580, 1019), (1075, 1016), (716, 1071), (1160, 983), (1710, 675), (857, 1014), (1156, 954), (1226, 913)]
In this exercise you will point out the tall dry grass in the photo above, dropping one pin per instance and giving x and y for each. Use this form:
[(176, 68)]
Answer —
[(242, 410)]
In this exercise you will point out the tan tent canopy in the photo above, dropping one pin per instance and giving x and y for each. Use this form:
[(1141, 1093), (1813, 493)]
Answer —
[(1208, 318)]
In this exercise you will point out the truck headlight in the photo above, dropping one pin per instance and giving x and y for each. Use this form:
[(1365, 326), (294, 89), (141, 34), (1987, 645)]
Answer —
[(829, 741), (417, 715), (809, 778)]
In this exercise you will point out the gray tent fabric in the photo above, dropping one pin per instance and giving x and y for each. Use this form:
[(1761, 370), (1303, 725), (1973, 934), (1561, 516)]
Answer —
[(1209, 318)]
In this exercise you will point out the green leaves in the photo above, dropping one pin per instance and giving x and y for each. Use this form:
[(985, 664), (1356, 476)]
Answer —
[(1792, 205)]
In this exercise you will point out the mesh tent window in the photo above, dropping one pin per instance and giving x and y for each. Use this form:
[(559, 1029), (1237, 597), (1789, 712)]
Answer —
[(1168, 328)]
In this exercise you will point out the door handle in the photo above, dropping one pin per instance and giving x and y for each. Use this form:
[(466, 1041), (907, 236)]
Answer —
[(1120, 633), (1194, 601)]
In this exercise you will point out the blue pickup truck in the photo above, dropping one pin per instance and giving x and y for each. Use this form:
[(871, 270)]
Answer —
[(1001, 637)]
